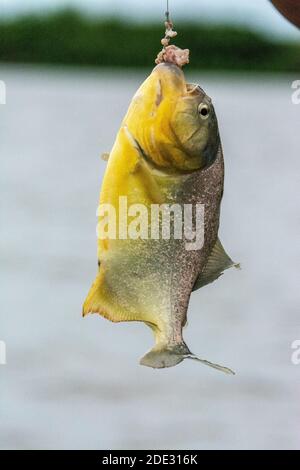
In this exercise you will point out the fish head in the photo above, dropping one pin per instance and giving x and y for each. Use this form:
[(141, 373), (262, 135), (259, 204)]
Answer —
[(173, 122)]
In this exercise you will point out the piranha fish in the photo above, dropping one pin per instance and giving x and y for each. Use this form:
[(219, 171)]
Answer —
[(167, 151)]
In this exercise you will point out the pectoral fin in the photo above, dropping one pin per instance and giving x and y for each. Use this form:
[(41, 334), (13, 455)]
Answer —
[(217, 263), (105, 156)]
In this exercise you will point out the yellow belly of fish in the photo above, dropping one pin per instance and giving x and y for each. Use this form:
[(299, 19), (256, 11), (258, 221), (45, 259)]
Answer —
[(129, 286)]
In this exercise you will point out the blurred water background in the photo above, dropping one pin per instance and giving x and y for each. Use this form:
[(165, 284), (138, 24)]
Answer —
[(73, 383)]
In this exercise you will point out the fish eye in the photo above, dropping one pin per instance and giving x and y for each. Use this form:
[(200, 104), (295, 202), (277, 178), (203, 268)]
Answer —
[(203, 110)]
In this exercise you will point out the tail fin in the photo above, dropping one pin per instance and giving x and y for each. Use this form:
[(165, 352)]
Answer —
[(226, 370), (159, 358)]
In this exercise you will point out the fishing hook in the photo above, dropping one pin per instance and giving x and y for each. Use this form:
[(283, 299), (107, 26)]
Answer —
[(167, 13)]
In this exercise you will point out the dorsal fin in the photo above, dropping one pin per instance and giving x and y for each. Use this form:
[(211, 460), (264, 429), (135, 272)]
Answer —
[(217, 263)]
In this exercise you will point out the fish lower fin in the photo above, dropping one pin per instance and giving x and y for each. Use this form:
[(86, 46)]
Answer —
[(106, 300), (105, 156), (166, 356), (217, 263), (161, 357), (96, 300)]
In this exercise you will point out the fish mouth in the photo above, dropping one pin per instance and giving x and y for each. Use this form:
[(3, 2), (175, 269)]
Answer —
[(195, 89)]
